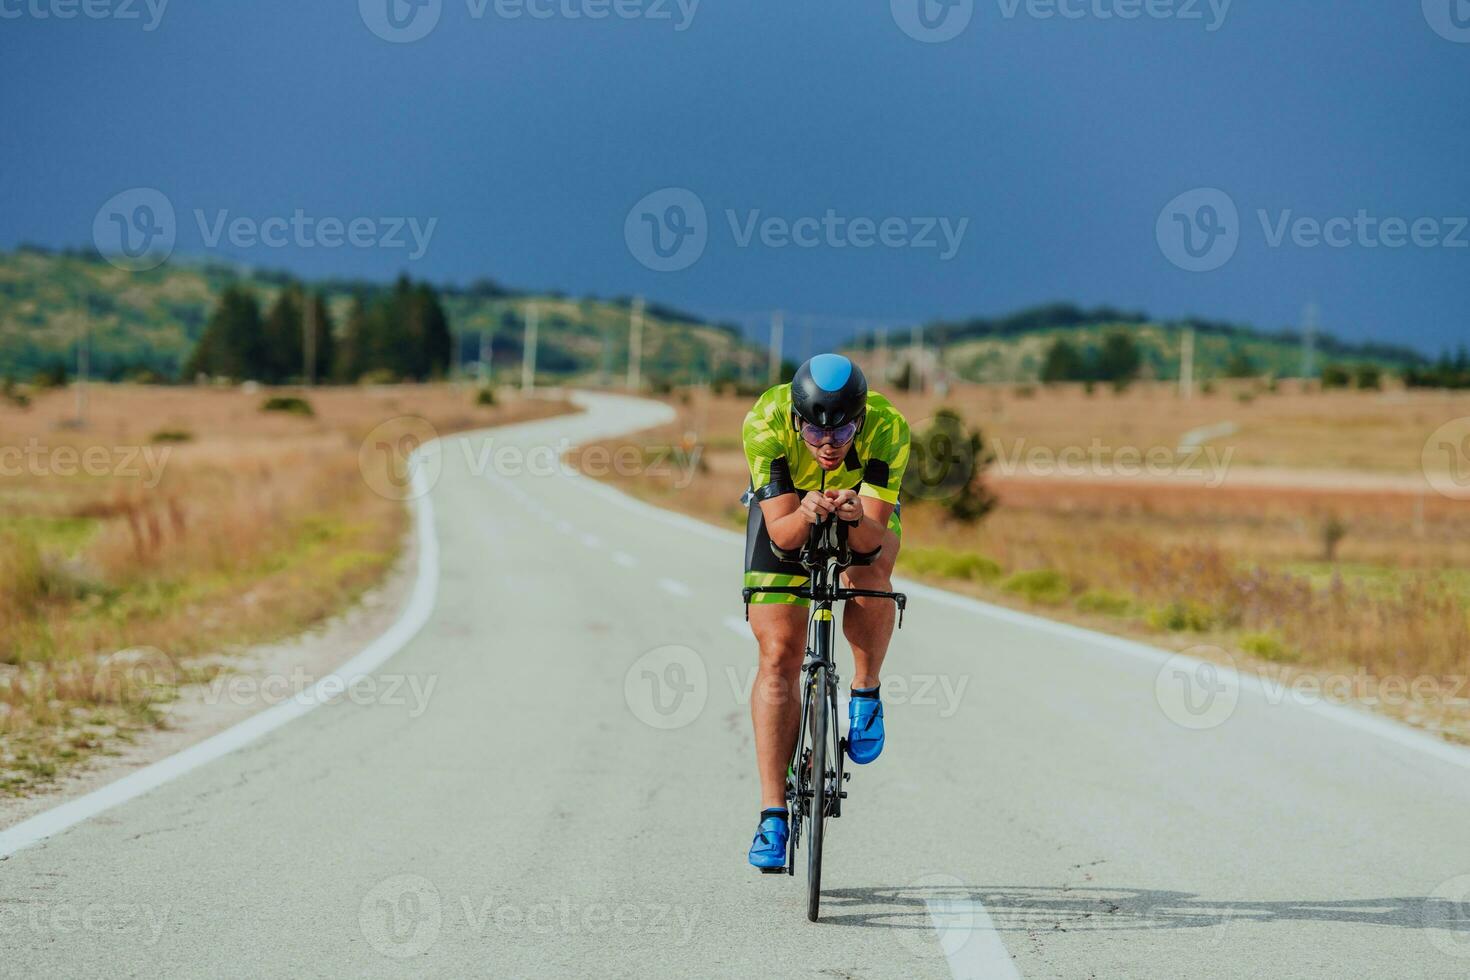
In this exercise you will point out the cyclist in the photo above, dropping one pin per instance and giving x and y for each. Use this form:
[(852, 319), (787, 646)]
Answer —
[(823, 444)]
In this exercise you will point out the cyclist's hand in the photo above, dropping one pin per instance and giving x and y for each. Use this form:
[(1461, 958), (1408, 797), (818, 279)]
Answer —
[(815, 506), (846, 505)]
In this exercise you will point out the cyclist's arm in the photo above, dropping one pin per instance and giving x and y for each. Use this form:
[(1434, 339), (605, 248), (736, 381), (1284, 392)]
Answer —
[(869, 532), (789, 517)]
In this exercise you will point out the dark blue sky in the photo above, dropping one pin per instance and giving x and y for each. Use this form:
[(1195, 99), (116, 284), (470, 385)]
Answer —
[(1058, 140)]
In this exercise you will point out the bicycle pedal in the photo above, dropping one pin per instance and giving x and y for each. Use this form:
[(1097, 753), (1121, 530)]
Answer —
[(773, 871)]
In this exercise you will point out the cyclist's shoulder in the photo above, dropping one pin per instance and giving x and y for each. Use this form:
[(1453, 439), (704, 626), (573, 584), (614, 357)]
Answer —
[(883, 410), (774, 403)]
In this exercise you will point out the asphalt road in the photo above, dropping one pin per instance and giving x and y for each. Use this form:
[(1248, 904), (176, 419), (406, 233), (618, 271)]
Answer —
[(554, 777)]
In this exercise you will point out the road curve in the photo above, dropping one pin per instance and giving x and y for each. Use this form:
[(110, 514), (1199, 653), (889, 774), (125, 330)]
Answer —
[(555, 777)]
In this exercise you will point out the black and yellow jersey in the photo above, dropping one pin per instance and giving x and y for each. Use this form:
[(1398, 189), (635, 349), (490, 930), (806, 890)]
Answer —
[(780, 461)]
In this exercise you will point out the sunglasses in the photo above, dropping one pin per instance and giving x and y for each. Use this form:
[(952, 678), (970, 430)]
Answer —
[(816, 435)]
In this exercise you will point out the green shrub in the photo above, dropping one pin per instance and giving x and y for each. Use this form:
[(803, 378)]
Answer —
[(1104, 602), (950, 564), (485, 396), (947, 463), (290, 404), (1267, 646), (1335, 376), (172, 435), (1182, 615), (1042, 585)]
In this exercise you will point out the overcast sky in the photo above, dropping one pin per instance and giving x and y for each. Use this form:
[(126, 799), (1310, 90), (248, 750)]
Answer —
[(883, 161)]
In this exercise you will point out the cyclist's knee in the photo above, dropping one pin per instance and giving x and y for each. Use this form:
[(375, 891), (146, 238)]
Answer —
[(780, 630), (877, 576)]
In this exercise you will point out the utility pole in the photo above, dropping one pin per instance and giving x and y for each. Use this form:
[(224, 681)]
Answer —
[(456, 355), (635, 345), (1186, 363), (1309, 340), (883, 353), (528, 352), (486, 350), (308, 339), (916, 360), (776, 329), (84, 360)]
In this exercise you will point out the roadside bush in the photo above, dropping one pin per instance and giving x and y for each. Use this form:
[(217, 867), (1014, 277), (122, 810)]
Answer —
[(947, 464), (1042, 585), (1267, 646), (290, 404), (1182, 616), (1369, 377), (1104, 602), (485, 396), (171, 435), (950, 564)]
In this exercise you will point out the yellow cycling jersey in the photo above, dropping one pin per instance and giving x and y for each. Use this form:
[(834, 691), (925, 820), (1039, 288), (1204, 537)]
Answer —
[(780, 461)]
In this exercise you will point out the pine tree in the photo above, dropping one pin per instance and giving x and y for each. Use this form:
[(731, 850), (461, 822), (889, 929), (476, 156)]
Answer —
[(282, 329), (232, 345)]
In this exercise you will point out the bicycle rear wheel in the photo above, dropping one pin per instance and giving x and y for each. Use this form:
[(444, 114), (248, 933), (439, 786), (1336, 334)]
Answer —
[(817, 814)]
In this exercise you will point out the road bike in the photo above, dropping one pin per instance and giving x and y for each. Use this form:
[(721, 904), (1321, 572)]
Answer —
[(816, 776)]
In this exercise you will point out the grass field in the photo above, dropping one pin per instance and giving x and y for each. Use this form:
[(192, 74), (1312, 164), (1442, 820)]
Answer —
[(183, 521), (1319, 549)]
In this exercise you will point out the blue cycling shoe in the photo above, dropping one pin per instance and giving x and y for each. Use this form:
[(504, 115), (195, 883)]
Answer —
[(768, 850), (864, 726)]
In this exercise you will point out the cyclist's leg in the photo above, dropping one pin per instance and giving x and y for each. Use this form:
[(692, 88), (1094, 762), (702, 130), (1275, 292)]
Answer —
[(775, 700), (868, 623), (779, 625)]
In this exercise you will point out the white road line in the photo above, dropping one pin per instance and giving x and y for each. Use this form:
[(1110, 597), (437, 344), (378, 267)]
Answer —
[(563, 527), (624, 559), (415, 615), (969, 940), (675, 588), (737, 624), (591, 541)]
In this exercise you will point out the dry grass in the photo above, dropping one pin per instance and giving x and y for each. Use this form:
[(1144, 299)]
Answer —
[(200, 524), (1242, 566)]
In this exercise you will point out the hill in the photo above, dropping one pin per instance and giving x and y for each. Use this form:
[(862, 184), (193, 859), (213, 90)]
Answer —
[(150, 321), (1013, 347)]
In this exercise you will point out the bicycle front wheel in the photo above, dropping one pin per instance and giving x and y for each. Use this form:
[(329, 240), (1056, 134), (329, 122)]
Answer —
[(818, 721)]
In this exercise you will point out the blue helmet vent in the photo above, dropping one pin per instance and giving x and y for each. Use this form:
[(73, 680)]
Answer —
[(831, 371)]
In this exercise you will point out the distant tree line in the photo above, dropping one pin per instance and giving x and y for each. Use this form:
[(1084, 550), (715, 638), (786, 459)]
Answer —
[(397, 334), (1052, 316), (1447, 372)]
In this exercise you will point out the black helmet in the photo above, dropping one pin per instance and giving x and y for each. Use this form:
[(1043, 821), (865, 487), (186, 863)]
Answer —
[(829, 390)]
